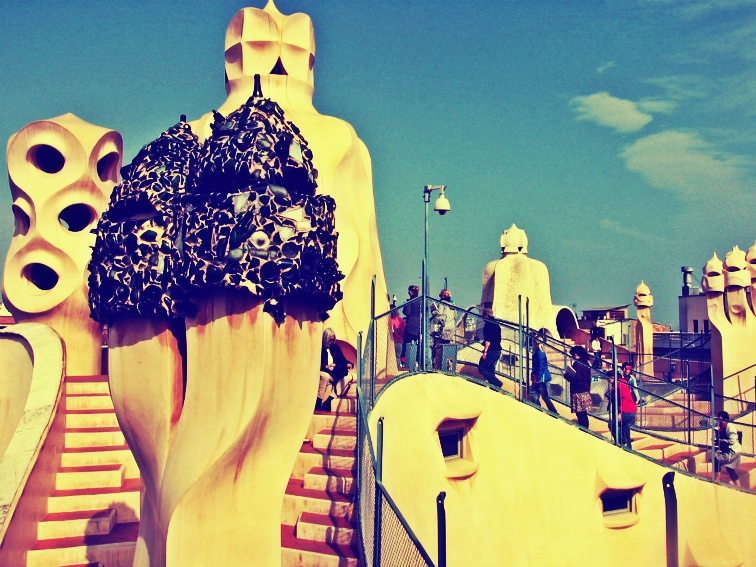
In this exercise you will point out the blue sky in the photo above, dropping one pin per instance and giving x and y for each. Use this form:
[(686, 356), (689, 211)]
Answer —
[(618, 134)]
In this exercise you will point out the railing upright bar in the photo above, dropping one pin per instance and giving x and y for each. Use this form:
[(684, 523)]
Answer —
[(441, 529), (424, 319), (359, 414), (527, 342), (519, 346), (378, 518), (615, 394), (690, 405), (713, 424), (374, 329)]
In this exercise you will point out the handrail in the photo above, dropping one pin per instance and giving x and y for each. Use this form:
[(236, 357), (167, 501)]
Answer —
[(372, 493), (668, 410)]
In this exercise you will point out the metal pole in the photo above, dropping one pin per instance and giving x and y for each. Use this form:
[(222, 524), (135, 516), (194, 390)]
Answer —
[(615, 395), (441, 529), (527, 341), (690, 407), (360, 425), (378, 497), (373, 326), (424, 318), (424, 344), (519, 345), (670, 508), (713, 423)]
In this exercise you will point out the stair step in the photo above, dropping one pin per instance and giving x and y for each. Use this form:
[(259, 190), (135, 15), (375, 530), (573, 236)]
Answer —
[(310, 457), (124, 499), (87, 388), (115, 549), (93, 476), (319, 527), (77, 419), (299, 499), (72, 524), (92, 378), (94, 437), (336, 439), (330, 480), (296, 552), (87, 456), (88, 401), (322, 420)]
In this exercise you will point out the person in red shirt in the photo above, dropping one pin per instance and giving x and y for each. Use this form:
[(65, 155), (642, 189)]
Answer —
[(627, 410)]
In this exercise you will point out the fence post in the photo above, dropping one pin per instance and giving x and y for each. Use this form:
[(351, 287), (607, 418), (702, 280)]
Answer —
[(690, 400), (373, 328), (378, 497), (670, 508), (441, 528), (615, 394), (527, 342), (424, 326), (519, 346), (360, 425), (713, 424)]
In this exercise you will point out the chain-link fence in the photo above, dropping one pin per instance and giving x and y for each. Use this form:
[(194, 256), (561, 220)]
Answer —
[(386, 539)]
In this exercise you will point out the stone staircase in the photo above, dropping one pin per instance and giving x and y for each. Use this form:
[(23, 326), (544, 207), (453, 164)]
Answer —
[(317, 524), (93, 515)]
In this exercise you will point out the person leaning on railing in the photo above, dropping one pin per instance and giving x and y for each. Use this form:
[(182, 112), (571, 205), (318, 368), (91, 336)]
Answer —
[(579, 377), (443, 327), (728, 453), (411, 313)]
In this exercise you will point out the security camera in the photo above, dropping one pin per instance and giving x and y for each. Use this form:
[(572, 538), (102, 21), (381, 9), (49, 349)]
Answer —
[(442, 206)]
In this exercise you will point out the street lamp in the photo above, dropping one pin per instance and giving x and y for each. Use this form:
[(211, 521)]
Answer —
[(441, 206)]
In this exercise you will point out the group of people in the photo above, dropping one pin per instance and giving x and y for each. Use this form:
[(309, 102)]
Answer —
[(622, 395), (406, 331)]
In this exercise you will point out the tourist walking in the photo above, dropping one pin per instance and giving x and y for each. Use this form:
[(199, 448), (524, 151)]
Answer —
[(580, 384), (541, 377)]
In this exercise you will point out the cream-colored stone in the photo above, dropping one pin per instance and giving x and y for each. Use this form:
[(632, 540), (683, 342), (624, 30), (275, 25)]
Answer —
[(255, 41), (733, 323), (15, 382), (536, 492), (516, 275), (61, 172), (251, 386), (644, 330), (27, 467)]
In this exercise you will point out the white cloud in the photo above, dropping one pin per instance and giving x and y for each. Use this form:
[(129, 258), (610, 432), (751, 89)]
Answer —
[(684, 164), (657, 106), (606, 110), (604, 66), (619, 228), (684, 86)]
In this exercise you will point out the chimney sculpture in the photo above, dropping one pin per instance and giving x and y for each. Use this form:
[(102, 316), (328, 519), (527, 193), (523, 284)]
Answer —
[(60, 172), (216, 263), (644, 330), (733, 323)]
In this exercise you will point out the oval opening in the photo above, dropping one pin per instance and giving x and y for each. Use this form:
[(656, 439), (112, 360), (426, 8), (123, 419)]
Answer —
[(41, 276), (22, 221), (47, 158), (76, 218), (107, 167)]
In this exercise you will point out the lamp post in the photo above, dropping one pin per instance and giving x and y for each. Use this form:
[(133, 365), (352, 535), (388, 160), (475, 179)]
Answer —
[(441, 206)]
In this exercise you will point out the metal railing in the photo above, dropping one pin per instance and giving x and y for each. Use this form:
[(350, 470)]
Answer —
[(385, 537), (678, 411)]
